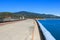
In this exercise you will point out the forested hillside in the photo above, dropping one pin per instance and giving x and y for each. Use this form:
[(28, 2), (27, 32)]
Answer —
[(26, 15)]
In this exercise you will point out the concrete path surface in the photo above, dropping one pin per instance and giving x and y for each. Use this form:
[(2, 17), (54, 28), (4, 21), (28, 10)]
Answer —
[(36, 33), (21, 30)]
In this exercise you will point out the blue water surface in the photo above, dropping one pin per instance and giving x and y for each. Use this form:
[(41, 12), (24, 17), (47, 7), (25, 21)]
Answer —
[(53, 26)]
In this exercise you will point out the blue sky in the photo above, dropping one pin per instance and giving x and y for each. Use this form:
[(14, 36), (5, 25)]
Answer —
[(38, 6)]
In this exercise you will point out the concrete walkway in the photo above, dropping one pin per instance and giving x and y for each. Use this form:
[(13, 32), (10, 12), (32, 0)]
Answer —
[(21, 30)]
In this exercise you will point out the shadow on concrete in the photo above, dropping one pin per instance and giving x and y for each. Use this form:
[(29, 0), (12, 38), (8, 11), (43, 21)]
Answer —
[(40, 32)]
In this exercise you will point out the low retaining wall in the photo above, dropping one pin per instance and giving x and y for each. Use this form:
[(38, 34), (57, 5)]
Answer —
[(46, 35)]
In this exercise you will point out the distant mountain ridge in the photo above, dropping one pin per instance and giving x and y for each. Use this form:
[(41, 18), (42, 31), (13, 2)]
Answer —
[(28, 15)]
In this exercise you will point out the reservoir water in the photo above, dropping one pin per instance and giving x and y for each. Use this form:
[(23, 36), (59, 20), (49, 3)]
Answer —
[(53, 26)]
